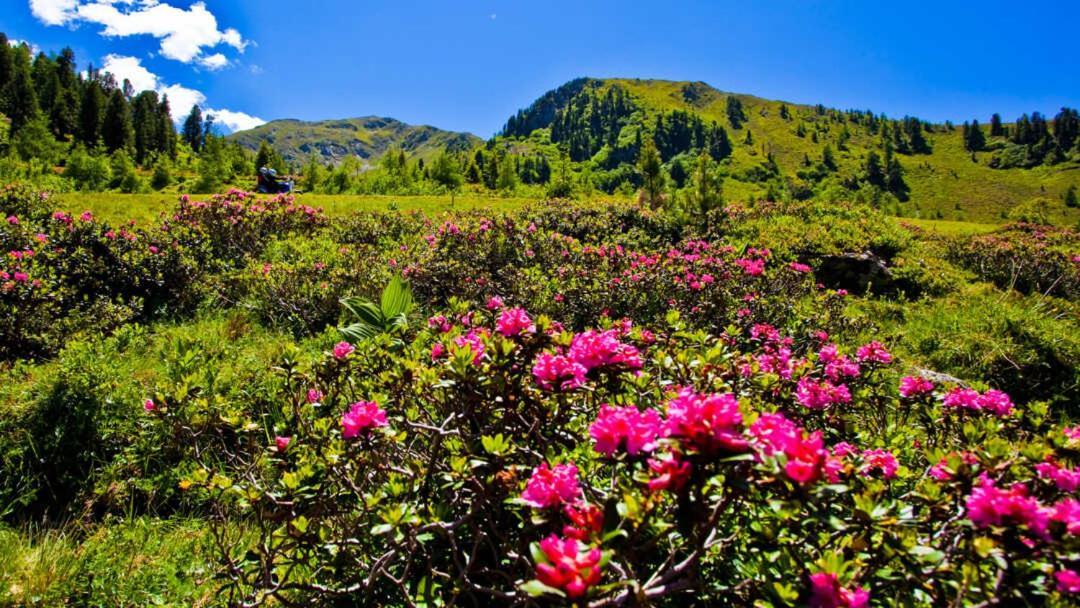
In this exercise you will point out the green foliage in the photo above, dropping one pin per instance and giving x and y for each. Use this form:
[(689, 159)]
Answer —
[(389, 316)]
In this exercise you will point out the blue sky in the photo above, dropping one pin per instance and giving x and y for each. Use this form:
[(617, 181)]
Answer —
[(467, 65)]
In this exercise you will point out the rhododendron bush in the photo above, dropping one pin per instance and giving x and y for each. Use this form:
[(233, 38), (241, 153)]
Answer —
[(502, 458), (582, 406)]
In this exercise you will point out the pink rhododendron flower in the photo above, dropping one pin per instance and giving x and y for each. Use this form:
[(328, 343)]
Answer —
[(820, 395), (494, 303), (1072, 433), (797, 267), (558, 372), (914, 386), (343, 349), (439, 323), (514, 322), (149, 405), (474, 340), (437, 351), (361, 417), (880, 460), (14, 221), (586, 521), (625, 428), (571, 567), (282, 443), (1068, 581), (826, 592), (594, 349), (314, 395), (805, 458), (671, 473), (1066, 480), (996, 402), (773, 433), (754, 268), (552, 487), (874, 352), (87, 216), (1067, 512), (989, 505), (707, 423)]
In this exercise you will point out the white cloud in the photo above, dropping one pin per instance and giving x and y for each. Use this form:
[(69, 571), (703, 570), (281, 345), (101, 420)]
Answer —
[(184, 33), (181, 98), (235, 121)]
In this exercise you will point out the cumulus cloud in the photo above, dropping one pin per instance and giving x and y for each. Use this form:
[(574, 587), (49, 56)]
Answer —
[(181, 98), (185, 34)]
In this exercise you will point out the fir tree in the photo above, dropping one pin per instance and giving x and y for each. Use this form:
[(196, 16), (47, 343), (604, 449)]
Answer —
[(974, 139), (193, 131), (735, 113), (996, 128), (652, 177), (117, 132)]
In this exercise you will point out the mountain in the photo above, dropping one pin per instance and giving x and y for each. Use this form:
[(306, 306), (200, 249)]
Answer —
[(366, 137), (776, 148)]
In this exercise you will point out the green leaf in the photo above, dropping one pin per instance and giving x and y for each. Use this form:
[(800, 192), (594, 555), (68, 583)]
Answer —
[(536, 589), (397, 299)]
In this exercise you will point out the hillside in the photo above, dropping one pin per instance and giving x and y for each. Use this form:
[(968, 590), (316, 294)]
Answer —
[(366, 137), (599, 121)]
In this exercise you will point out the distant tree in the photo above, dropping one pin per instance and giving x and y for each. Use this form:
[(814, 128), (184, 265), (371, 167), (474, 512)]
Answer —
[(974, 139), (827, 159), (996, 128), (314, 173), (5, 133), (117, 131), (873, 173), (162, 176), (472, 173), (147, 125), (1066, 128), (800, 130), (89, 172), (706, 192), (446, 172), (784, 112), (34, 141), (651, 169), (269, 158), (1070, 196), (562, 185), (167, 128), (677, 172), (735, 113), (749, 139), (193, 130), (19, 98), (507, 179), (91, 111), (7, 67)]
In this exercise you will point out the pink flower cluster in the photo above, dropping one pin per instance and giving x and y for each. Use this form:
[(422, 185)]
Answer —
[(625, 429), (552, 487), (568, 565), (343, 350), (1066, 480), (361, 417), (989, 505), (915, 386), (558, 372), (818, 395), (514, 322), (874, 352), (804, 452), (706, 423), (827, 592), (588, 351), (993, 401)]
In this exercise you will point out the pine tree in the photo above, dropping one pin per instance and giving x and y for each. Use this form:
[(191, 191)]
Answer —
[(706, 192), (167, 128), (1070, 197), (268, 157), (735, 113), (7, 67), (149, 140), (652, 177), (192, 132), (20, 103), (91, 112), (117, 132), (827, 159), (996, 128), (974, 139), (873, 173)]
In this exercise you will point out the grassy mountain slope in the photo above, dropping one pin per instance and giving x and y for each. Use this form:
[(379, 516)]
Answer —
[(945, 183), (366, 137)]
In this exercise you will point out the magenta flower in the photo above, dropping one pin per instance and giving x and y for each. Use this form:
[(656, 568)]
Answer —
[(670, 472), (879, 460), (1066, 480), (282, 443), (549, 487), (1067, 512), (314, 395), (996, 402), (1068, 581), (773, 433), (514, 322), (149, 405), (494, 303), (558, 372), (797, 267), (706, 423), (625, 428), (599, 349), (874, 352), (474, 341), (914, 386), (570, 566), (14, 221), (820, 395), (361, 417), (805, 458), (343, 349), (989, 505), (826, 592)]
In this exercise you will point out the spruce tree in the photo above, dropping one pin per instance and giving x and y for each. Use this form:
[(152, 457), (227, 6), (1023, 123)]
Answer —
[(996, 128), (166, 128), (192, 131), (652, 177), (974, 139), (117, 132), (19, 97), (91, 112), (827, 158), (735, 113)]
